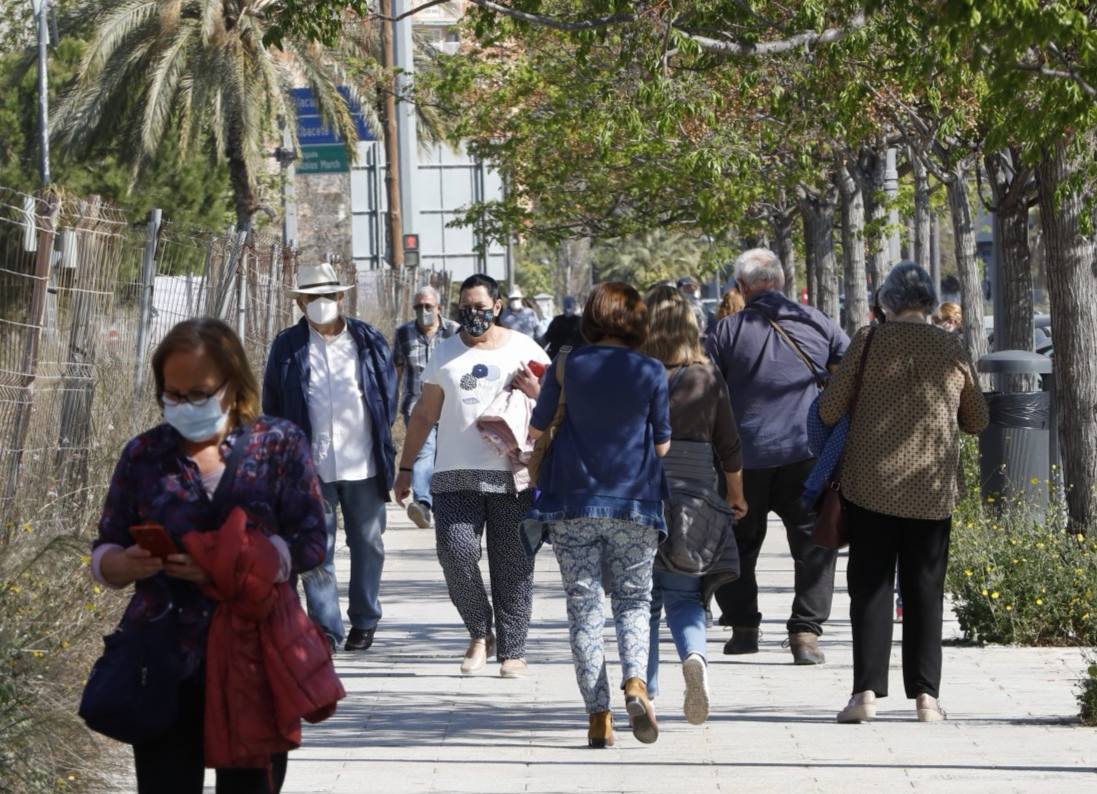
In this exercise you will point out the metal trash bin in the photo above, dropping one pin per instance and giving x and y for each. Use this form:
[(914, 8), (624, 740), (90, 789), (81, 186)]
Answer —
[(1018, 447)]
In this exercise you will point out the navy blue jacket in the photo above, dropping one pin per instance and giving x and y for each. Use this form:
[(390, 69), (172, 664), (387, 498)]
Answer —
[(286, 387)]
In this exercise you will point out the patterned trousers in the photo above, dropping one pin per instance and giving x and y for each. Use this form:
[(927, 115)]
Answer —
[(459, 519), (624, 551)]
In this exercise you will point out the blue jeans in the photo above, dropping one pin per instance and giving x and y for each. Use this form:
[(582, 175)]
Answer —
[(363, 509), (680, 595), (321, 591), (423, 469)]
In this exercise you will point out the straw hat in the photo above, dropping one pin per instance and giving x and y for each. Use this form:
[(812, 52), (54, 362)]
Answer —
[(320, 279)]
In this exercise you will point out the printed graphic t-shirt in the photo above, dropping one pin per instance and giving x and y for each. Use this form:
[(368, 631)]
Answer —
[(471, 378)]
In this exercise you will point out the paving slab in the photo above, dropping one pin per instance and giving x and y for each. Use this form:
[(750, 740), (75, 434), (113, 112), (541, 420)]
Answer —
[(412, 723)]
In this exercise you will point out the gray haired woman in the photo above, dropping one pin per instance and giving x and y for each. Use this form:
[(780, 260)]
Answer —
[(899, 476)]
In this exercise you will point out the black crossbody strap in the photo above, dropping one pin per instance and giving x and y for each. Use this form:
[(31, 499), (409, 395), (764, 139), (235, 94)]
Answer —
[(220, 499), (819, 380)]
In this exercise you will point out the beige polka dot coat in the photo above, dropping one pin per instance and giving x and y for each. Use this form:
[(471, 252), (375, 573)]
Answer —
[(919, 393)]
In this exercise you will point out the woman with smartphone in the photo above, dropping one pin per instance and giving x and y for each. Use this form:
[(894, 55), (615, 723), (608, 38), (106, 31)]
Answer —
[(184, 475)]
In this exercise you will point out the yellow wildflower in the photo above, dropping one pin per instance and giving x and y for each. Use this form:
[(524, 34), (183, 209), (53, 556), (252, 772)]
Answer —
[(968, 572), (1035, 481), (1039, 602), (1009, 607), (985, 591), (994, 595)]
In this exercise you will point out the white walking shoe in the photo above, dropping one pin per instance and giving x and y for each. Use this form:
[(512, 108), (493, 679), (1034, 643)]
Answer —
[(861, 708), (696, 705), (419, 514), (929, 709)]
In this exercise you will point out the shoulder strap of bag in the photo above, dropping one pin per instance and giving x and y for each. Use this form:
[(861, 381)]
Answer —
[(220, 498), (860, 373), (819, 380), (676, 378)]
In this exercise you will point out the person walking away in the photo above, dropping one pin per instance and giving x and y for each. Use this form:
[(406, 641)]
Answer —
[(411, 351), (473, 484), (950, 317), (564, 330), (702, 425), (899, 473), (691, 291), (602, 487), (729, 305), (333, 377), (170, 476), (774, 356), (517, 316)]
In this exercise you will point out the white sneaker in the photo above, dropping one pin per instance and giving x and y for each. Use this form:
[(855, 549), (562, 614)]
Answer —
[(861, 708), (419, 514), (696, 705), (475, 657), (929, 709)]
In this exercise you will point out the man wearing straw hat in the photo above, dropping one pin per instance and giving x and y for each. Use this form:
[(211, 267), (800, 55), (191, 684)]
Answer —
[(333, 376)]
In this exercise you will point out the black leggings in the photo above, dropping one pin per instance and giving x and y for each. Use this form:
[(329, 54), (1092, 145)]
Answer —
[(174, 764)]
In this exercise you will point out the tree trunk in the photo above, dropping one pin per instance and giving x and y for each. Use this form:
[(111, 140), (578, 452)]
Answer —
[(782, 223), (244, 197), (876, 209), (853, 250), (1012, 193), (810, 279), (967, 265), (935, 252), (921, 222), (818, 213), (1072, 284)]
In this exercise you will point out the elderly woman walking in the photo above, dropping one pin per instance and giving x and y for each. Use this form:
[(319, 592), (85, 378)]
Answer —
[(700, 553), (602, 488), (899, 474)]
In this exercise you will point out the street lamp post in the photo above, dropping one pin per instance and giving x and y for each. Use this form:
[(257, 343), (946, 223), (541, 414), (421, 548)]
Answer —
[(41, 16)]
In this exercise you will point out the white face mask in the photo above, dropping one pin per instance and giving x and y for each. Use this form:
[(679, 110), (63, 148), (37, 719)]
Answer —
[(516, 305), (323, 311)]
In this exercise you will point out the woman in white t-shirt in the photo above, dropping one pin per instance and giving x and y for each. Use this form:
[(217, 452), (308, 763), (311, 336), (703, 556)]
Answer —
[(473, 486)]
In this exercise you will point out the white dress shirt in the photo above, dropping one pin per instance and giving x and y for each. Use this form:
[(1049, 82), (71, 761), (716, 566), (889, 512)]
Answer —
[(342, 432)]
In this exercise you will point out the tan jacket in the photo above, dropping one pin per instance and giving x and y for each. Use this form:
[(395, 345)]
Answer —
[(902, 454)]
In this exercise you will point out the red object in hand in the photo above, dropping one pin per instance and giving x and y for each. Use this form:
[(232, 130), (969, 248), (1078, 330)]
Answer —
[(537, 368)]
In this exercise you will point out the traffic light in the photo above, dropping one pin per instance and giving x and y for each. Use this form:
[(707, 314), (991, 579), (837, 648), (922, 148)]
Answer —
[(411, 250)]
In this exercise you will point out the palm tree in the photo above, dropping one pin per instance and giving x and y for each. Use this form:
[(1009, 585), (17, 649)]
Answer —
[(200, 69)]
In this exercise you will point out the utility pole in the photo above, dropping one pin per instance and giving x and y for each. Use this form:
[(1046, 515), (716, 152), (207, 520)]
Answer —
[(286, 156), (392, 157), (407, 138), (41, 14)]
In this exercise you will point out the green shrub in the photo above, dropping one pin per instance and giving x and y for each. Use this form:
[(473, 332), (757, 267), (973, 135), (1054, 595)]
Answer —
[(1016, 576), (1087, 693)]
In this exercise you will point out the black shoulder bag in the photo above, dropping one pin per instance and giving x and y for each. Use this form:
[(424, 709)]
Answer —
[(132, 692)]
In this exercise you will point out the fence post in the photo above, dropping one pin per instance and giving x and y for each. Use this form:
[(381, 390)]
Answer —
[(47, 205), (144, 317), (242, 289)]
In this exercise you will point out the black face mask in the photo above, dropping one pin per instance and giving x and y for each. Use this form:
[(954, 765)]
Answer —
[(476, 322)]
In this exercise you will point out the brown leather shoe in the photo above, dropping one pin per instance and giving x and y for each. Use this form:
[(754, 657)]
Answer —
[(641, 714), (601, 730), (805, 648)]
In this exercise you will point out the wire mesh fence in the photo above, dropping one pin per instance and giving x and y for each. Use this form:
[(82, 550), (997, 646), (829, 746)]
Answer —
[(86, 294)]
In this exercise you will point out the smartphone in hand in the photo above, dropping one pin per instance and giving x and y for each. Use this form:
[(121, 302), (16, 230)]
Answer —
[(154, 539)]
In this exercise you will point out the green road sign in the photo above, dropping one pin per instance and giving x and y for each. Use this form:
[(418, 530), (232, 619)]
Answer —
[(323, 159)]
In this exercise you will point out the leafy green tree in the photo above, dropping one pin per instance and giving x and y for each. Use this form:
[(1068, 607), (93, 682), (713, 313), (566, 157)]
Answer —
[(200, 70)]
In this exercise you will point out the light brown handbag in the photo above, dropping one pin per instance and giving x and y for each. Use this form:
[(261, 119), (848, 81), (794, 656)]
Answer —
[(541, 446)]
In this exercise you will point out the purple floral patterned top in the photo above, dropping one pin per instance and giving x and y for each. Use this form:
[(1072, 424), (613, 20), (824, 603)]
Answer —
[(154, 482)]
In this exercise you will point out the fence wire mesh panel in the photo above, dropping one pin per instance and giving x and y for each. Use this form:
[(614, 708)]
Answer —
[(86, 295)]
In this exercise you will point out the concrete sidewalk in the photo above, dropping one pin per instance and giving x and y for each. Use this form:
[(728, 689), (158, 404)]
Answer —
[(412, 723)]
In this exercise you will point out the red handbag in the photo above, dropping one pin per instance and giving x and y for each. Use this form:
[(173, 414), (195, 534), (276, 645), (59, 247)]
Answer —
[(830, 531)]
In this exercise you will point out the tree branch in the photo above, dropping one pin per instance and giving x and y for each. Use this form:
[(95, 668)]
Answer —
[(797, 41)]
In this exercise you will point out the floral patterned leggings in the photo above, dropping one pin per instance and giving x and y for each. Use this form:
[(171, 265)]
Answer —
[(624, 551)]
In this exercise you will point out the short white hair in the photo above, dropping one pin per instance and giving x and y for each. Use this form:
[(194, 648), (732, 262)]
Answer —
[(428, 292), (758, 267)]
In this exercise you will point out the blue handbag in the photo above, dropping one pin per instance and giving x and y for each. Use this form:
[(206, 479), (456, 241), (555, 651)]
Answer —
[(132, 693)]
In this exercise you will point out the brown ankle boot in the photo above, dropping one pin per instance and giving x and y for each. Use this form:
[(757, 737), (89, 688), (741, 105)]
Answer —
[(601, 729), (641, 714)]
